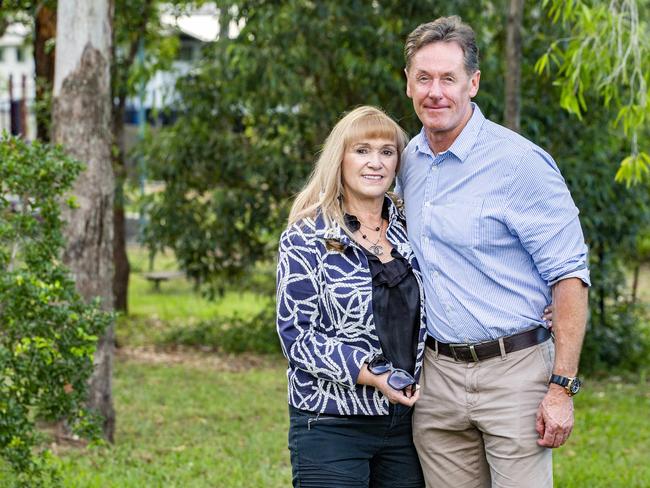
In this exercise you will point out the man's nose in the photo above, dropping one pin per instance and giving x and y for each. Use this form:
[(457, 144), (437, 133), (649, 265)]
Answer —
[(435, 89)]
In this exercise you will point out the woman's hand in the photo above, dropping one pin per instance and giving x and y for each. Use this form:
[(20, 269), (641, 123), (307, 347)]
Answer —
[(407, 397), (548, 316)]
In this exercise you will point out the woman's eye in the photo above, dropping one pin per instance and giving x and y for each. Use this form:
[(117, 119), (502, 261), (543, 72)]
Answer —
[(362, 150), (388, 152)]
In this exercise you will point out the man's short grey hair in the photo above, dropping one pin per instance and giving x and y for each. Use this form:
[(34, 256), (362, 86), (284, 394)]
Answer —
[(444, 29)]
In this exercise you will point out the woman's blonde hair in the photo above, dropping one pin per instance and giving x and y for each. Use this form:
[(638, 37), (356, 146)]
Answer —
[(324, 189)]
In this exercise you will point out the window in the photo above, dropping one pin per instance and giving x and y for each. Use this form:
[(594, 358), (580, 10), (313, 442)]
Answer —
[(2, 54), (188, 52), (20, 54)]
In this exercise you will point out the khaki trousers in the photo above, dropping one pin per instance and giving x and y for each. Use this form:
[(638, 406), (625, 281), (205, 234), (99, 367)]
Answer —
[(474, 424)]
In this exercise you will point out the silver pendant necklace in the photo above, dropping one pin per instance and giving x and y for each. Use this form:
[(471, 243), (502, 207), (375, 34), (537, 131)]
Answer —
[(376, 249)]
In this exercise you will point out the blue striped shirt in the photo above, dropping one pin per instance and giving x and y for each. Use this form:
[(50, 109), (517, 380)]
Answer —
[(493, 227)]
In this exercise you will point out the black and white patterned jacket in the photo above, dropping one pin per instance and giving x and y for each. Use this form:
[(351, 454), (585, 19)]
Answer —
[(325, 319)]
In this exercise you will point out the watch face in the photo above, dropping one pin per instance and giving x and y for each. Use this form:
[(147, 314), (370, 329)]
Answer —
[(575, 386)]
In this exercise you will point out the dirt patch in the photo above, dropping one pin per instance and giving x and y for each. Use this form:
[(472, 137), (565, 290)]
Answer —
[(197, 358)]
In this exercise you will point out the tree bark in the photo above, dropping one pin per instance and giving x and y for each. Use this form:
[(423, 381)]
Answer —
[(82, 124), (44, 59), (513, 65)]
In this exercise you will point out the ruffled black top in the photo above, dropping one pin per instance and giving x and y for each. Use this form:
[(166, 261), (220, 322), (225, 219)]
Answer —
[(395, 305)]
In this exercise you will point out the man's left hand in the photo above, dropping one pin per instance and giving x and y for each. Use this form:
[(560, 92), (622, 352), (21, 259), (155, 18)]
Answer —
[(554, 420)]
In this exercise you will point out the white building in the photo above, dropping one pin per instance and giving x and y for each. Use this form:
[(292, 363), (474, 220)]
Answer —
[(194, 31), (16, 62)]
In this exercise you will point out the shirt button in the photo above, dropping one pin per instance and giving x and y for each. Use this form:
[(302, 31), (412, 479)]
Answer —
[(436, 274), (448, 308)]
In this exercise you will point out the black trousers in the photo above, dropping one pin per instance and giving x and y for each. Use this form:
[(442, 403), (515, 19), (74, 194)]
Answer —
[(353, 451)]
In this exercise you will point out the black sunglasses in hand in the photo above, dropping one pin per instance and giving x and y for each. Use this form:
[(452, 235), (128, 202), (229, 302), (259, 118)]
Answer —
[(398, 378)]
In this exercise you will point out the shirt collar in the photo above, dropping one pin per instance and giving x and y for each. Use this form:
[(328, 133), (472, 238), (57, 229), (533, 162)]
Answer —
[(353, 223), (334, 231), (465, 141)]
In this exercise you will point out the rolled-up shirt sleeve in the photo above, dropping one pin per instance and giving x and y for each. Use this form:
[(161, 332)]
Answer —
[(540, 211), (299, 316)]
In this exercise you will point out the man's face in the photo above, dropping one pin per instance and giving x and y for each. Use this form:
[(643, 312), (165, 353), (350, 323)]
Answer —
[(441, 89)]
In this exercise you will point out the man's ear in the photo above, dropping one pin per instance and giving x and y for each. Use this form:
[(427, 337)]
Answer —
[(408, 88), (474, 83)]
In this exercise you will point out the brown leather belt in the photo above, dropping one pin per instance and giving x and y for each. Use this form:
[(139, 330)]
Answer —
[(484, 350)]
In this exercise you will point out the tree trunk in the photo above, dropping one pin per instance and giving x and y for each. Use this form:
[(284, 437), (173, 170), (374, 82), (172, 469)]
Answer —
[(513, 65), (120, 257), (44, 58), (224, 23), (82, 124), (601, 294), (4, 23), (635, 282), (119, 90)]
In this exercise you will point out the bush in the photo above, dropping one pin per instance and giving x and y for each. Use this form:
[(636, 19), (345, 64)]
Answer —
[(233, 335), (47, 333), (622, 345)]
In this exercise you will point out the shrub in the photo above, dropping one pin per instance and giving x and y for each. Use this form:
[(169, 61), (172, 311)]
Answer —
[(622, 346), (47, 333), (233, 335)]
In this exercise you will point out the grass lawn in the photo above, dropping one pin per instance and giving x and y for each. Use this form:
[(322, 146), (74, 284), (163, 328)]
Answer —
[(192, 425), (197, 419), (201, 425), (610, 444)]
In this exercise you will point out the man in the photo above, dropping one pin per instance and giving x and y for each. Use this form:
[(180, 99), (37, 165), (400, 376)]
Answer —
[(497, 236)]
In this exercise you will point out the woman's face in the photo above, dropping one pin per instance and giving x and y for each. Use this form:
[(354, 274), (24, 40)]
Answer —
[(368, 169)]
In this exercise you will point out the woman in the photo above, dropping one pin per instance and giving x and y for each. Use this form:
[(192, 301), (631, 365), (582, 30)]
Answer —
[(351, 314)]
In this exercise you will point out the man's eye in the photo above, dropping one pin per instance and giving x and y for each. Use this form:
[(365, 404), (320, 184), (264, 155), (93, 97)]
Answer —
[(423, 79)]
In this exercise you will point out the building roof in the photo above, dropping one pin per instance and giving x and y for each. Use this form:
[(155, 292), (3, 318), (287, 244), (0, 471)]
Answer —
[(204, 27), (15, 35)]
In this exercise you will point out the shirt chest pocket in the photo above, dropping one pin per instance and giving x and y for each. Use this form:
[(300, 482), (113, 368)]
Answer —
[(457, 221)]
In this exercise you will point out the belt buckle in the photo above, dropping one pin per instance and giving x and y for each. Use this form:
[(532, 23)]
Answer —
[(472, 351)]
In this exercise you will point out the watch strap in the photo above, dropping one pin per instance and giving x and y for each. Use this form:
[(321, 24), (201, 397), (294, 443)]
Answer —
[(560, 380)]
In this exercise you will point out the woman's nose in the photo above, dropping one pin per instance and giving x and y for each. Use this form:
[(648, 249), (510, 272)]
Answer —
[(374, 160)]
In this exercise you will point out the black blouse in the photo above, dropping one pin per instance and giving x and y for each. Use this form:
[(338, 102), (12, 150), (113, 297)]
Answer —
[(395, 304)]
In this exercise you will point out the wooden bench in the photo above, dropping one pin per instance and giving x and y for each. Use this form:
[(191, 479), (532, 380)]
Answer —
[(156, 277)]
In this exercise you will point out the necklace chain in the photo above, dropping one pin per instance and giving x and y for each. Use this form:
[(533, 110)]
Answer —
[(376, 228), (375, 248)]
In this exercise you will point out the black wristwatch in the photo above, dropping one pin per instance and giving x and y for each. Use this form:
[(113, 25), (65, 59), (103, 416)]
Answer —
[(571, 385)]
